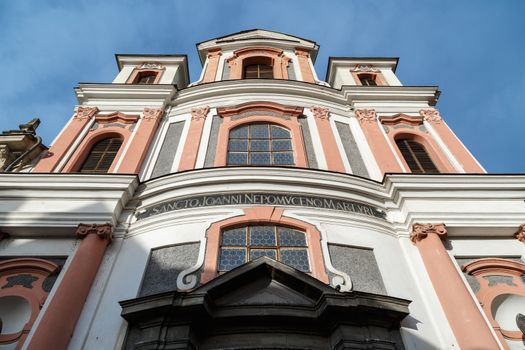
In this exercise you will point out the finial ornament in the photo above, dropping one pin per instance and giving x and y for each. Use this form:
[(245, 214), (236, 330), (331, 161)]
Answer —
[(421, 231), (199, 113), (320, 112), (85, 112), (152, 113), (431, 115), (520, 234), (102, 231), (366, 115)]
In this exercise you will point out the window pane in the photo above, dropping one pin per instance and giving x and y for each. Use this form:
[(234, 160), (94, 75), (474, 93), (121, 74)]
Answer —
[(259, 145), (259, 131), (231, 258), (285, 158), (280, 133), (262, 236), (234, 237), (296, 258), (291, 238), (239, 133), (257, 253), (281, 145), (238, 145), (260, 158), (237, 158)]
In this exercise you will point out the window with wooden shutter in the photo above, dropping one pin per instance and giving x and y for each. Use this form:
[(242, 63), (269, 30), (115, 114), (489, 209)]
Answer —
[(258, 71), (367, 80), (416, 157), (101, 156), (146, 78)]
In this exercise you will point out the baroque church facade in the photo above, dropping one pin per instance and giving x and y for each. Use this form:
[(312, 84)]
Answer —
[(258, 207)]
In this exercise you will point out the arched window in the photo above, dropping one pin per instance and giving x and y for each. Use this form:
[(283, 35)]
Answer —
[(416, 156), (146, 78), (242, 244), (367, 79), (101, 156), (260, 144), (258, 71)]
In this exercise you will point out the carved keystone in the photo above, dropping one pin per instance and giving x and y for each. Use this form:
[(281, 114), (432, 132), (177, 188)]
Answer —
[(102, 231), (421, 231)]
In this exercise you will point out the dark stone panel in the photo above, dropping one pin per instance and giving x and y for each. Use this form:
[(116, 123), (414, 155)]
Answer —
[(291, 71), (360, 264), (24, 280), (351, 150), (164, 266), (209, 160), (308, 144), (168, 150)]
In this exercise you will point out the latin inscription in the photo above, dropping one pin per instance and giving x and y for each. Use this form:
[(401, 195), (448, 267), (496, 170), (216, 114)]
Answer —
[(262, 199)]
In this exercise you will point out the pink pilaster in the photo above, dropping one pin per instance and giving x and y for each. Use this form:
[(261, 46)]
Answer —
[(331, 151)]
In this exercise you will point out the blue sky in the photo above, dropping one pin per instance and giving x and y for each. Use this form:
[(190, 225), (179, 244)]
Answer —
[(473, 50)]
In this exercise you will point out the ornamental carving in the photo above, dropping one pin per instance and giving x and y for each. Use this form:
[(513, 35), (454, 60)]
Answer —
[(302, 53), (367, 69), (421, 231), (151, 65), (102, 231), (320, 112), (366, 115), (198, 114), (85, 112), (152, 113), (214, 53), (520, 234), (430, 115)]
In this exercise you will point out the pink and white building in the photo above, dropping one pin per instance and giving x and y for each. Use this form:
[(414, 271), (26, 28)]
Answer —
[(258, 207)]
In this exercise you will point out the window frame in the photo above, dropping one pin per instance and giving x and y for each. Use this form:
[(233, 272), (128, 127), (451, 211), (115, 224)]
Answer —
[(418, 161), (90, 152)]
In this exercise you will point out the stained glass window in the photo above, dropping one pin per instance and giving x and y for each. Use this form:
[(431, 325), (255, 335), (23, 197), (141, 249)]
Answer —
[(260, 144), (242, 244)]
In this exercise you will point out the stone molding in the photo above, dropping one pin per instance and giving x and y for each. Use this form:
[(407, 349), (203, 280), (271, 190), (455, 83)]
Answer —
[(152, 113), (421, 231), (150, 65), (366, 115), (364, 69), (85, 113), (200, 113), (520, 234), (103, 231), (320, 112), (431, 115)]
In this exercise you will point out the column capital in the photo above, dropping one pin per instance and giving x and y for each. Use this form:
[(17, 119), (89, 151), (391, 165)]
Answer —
[(366, 115), (102, 231), (520, 234), (431, 115), (215, 52), (320, 112), (152, 113), (85, 112), (198, 114), (300, 52), (421, 231)]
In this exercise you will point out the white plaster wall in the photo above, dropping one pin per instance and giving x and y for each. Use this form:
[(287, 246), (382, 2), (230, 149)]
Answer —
[(390, 77), (169, 75), (124, 74)]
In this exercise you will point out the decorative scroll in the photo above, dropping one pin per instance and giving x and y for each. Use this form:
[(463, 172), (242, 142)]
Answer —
[(152, 113), (366, 115), (199, 113), (320, 112), (431, 115), (85, 112), (102, 231), (421, 231)]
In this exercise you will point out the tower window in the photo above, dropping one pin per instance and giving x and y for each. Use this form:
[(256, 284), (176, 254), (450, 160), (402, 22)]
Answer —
[(416, 157), (260, 144), (101, 156), (367, 80), (146, 78), (258, 71), (243, 244)]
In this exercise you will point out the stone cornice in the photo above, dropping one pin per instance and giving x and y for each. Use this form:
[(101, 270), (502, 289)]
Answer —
[(153, 95)]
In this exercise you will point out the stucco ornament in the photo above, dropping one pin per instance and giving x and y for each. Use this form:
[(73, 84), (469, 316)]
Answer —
[(151, 65), (199, 113), (431, 115), (421, 231), (320, 112), (86, 112), (152, 113), (102, 231), (520, 234), (366, 115), (367, 68)]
